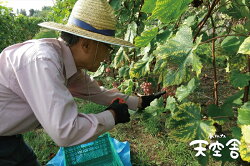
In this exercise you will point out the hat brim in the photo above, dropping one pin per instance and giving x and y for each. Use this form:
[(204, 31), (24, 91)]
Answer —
[(86, 34)]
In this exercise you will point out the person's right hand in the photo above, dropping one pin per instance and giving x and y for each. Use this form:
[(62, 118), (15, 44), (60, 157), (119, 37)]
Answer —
[(121, 112)]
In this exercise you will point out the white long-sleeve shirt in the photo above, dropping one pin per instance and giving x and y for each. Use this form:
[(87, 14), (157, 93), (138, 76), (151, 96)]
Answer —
[(38, 80)]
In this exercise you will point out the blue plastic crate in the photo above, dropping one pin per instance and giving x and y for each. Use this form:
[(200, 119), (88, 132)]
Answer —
[(97, 153)]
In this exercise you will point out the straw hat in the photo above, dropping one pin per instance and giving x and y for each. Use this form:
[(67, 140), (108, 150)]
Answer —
[(91, 19)]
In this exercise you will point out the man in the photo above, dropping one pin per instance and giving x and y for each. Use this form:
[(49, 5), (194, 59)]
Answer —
[(38, 79)]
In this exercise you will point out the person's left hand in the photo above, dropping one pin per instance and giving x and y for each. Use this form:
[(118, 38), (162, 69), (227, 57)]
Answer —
[(146, 100)]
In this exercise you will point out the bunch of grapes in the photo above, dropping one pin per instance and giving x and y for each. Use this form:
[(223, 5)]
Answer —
[(115, 85), (170, 91), (147, 88)]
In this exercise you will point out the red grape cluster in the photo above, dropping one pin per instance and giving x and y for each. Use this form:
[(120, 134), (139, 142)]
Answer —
[(170, 91), (115, 84), (147, 88)]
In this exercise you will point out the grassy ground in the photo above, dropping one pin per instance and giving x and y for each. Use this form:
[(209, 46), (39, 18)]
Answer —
[(149, 146), (147, 149)]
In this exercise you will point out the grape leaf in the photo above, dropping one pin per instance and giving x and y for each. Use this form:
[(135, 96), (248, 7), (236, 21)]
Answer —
[(148, 6), (244, 114), (179, 50), (183, 91), (156, 107), (214, 111), (119, 58), (146, 37), (236, 132), (131, 32), (141, 68), (169, 10), (239, 79), (244, 150), (245, 47), (245, 129), (231, 44), (188, 125), (116, 4), (127, 86), (124, 72), (171, 104)]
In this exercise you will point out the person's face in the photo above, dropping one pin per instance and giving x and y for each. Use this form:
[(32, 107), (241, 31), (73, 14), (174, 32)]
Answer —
[(90, 54)]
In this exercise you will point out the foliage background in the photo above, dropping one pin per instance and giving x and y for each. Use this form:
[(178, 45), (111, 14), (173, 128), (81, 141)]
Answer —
[(198, 50)]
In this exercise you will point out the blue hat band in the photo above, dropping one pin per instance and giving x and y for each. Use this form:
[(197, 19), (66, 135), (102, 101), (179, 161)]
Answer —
[(88, 27)]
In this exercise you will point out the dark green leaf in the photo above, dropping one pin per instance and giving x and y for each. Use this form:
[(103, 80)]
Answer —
[(239, 80), (236, 132), (214, 111), (116, 4), (231, 44)]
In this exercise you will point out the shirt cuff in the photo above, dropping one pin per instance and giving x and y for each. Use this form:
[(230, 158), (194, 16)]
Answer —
[(107, 118), (132, 102)]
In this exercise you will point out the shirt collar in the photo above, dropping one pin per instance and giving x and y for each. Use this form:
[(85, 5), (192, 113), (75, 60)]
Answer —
[(68, 60)]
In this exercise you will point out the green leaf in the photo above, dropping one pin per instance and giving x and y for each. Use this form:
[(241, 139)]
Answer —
[(231, 44), (116, 4), (124, 72), (171, 104), (160, 63), (239, 80), (244, 114), (188, 125), (148, 6), (245, 47), (141, 68), (236, 132), (119, 58), (178, 51), (215, 111), (127, 86), (156, 107), (203, 160), (245, 129), (169, 10), (146, 37), (183, 91), (131, 32), (244, 150)]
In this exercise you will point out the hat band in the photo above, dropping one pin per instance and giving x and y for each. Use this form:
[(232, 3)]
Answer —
[(88, 27)]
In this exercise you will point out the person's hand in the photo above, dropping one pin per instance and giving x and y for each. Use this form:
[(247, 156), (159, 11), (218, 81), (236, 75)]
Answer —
[(146, 100), (121, 112)]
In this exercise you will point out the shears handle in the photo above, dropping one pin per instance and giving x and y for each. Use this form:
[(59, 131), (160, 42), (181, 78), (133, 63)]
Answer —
[(121, 101)]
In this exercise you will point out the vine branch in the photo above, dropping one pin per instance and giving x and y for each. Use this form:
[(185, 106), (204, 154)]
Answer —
[(246, 89), (202, 23), (217, 37), (216, 100)]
